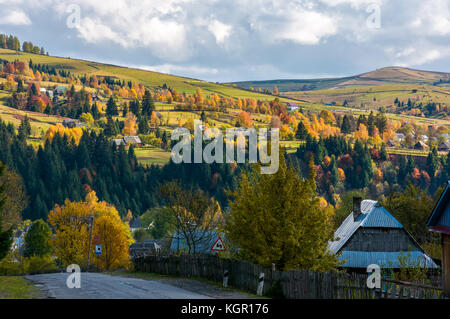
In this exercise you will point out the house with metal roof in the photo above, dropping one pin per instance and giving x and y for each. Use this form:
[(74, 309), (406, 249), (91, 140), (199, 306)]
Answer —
[(132, 140), (371, 235), (204, 241), (439, 222)]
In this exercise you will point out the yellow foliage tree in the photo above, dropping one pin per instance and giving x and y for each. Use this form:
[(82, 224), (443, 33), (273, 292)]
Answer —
[(71, 240), (130, 125), (76, 133)]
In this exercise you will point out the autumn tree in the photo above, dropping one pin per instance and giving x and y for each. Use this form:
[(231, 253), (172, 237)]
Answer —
[(15, 198), (71, 240), (243, 120), (130, 125), (287, 227), (197, 215)]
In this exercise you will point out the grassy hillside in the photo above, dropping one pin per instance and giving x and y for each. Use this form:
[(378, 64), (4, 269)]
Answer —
[(148, 78), (384, 76)]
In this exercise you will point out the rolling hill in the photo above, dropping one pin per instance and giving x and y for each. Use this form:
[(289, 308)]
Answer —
[(383, 76)]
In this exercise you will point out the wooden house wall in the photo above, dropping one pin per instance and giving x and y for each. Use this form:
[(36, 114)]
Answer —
[(380, 239)]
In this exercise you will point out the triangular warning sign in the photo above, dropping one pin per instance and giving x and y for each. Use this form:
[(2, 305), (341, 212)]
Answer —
[(218, 245)]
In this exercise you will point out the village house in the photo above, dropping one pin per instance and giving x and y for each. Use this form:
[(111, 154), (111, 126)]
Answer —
[(370, 235), (444, 147), (439, 222), (60, 90), (420, 146), (292, 106), (71, 123), (145, 247), (204, 241), (399, 137), (132, 140)]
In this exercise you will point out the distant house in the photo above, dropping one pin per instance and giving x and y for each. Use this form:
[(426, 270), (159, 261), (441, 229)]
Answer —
[(135, 224), (118, 142), (439, 222), (71, 123), (423, 138), (132, 140), (204, 241), (390, 143), (145, 247), (292, 106), (60, 90), (95, 98), (444, 147), (400, 136), (420, 146), (370, 235)]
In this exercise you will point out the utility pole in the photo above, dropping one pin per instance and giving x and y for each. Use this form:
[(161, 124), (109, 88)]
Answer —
[(91, 223)]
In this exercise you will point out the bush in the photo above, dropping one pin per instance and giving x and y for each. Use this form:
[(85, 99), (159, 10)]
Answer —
[(37, 264), (14, 264)]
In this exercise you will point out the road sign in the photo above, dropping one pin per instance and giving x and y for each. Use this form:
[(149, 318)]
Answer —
[(218, 245), (98, 249)]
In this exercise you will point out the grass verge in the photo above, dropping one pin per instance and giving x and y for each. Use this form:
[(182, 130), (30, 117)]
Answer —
[(17, 287)]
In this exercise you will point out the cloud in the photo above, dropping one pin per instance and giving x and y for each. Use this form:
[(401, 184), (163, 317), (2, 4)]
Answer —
[(220, 30), (14, 17), (241, 39)]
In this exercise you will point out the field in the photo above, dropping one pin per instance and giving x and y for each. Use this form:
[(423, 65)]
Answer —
[(149, 155)]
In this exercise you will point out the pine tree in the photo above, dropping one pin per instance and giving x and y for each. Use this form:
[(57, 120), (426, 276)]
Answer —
[(37, 239), (111, 107), (147, 104), (5, 235), (302, 132)]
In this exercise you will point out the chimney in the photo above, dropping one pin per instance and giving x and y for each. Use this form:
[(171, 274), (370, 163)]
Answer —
[(356, 207)]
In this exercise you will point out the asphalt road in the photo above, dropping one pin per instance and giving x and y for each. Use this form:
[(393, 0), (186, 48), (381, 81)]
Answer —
[(102, 286)]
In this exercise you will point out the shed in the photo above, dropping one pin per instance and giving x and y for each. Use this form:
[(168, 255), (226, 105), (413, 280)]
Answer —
[(420, 146), (118, 142), (146, 246), (132, 140), (292, 106), (371, 235), (439, 222), (444, 147), (204, 241)]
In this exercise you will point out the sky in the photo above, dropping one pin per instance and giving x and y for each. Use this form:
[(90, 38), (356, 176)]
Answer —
[(238, 40)]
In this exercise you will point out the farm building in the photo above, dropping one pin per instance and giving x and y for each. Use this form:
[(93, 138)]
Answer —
[(132, 140), (444, 147), (292, 106), (71, 123), (420, 146), (204, 241), (370, 235), (118, 142), (439, 222), (60, 90), (145, 247)]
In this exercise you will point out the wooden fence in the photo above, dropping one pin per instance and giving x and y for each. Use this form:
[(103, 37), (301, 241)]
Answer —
[(294, 284)]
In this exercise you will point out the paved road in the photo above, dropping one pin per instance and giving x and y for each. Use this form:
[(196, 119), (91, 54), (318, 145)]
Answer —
[(102, 286)]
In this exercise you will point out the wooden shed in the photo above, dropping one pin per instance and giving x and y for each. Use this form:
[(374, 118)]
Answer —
[(371, 235), (439, 222)]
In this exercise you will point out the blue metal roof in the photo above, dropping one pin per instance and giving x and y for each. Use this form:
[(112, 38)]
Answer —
[(362, 259), (441, 212), (204, 241), (372, 215)]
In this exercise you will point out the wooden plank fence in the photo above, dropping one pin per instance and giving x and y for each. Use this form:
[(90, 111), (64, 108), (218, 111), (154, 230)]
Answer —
[(295, 284)]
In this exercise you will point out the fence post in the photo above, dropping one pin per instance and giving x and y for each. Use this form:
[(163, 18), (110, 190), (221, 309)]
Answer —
[(259, 291), (225, 278)]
